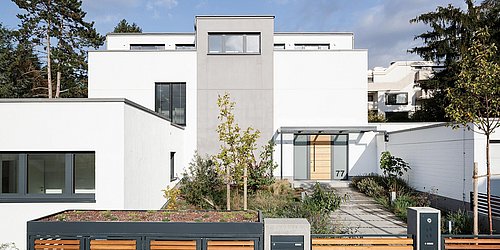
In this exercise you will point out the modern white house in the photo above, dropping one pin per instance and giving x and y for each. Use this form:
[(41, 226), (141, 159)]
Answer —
[(392, 91), (152, 105)]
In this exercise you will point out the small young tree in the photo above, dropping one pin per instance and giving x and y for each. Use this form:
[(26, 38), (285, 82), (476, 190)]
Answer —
[(236, 150), (393, 167), (476, 97), (236, 157)]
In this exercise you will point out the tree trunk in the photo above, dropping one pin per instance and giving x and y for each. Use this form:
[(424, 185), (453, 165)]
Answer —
[(58, 85), (49, 73), (488, 178), (228, 189), (245, 189)]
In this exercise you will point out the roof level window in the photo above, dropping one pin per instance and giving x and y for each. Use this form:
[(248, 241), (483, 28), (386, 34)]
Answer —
[(234, 43)]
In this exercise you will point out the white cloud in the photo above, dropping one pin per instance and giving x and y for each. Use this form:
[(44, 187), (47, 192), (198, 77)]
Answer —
[(165, 4), (159, 7)]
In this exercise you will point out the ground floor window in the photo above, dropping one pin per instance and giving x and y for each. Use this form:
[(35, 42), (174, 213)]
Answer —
[(320, 157), (47, 176)]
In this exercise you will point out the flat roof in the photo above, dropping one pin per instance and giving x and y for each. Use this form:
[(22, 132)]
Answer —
[(327, 130), (87, 100), (234, 16), (324, 33), (152, 34)]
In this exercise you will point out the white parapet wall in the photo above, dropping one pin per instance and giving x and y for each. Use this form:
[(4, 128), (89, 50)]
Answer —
[(441, 159)]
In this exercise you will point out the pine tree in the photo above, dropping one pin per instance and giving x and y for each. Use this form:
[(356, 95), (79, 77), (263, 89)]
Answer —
[(124, 27), (59, 28), (451, 31), (20, 72)]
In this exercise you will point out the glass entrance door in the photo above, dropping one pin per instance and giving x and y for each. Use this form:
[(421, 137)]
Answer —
[(320, 157)]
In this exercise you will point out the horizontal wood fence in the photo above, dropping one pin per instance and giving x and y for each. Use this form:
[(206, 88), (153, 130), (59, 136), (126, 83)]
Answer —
[(354, 242)]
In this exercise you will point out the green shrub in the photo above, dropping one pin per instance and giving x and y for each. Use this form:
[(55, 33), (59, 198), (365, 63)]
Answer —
[(322, 200), (369, 186), (461, 222), (202, 185), (402, 203), (279, 201)]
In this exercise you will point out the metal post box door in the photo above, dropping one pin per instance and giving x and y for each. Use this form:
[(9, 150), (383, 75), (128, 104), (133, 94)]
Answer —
[(285, 242), (429, 231)]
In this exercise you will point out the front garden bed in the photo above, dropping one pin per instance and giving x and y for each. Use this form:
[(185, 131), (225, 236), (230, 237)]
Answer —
[(143, 229)]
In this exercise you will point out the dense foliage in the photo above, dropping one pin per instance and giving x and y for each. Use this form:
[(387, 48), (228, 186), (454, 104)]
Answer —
[(124, 27), (58, 29), (20, 68), (280, 200), (451, 31), (202, 185)]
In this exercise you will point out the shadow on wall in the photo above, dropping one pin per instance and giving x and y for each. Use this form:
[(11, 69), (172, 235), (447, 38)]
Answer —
[(366, 163), (495, 185)]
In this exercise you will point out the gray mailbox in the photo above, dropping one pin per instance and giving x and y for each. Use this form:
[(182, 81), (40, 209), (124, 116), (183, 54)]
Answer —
[(288, 242), (424, 223), (287, 233)]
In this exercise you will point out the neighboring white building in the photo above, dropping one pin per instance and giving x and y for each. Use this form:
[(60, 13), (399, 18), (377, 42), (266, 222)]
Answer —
[(152, 105), (392, 91)]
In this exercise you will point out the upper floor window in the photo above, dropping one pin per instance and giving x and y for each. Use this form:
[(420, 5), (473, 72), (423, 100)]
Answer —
[(396, 99), (279, 46), (47, 176), (312, 46), (185, 47), (147, 46), (234, 43), (171, 101)]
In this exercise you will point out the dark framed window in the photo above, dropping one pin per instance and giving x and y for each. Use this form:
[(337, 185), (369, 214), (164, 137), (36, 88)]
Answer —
[(279, 46), (185, 47), (312, 46), (172, 166), (147, 46), (170, 101), (234, 43), (47, 176), (396, 98)]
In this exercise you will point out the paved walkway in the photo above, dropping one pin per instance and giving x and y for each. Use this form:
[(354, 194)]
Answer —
[(361, 214)]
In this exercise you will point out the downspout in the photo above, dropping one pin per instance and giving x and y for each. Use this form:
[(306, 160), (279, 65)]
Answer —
[(281, 155)]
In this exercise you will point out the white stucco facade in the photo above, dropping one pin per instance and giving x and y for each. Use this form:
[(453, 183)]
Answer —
[(130, 162), (400, 77)]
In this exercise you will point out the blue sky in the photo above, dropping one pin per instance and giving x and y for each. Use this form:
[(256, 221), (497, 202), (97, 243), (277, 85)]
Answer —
[(381, 26)]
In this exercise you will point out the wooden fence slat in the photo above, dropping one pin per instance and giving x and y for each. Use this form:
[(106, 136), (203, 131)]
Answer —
[(65, 242), (471, 241), (230, 242), (472, 247), (62, 247), (371, 241), (173, 242), (362, 247), (112, 245)]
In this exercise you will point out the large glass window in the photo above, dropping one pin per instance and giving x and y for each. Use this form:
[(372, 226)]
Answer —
[(84, 173), (233, 43), (396, 99), (147, 46), (9, 173), (171, 101), (47, 176), (46, 173)]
